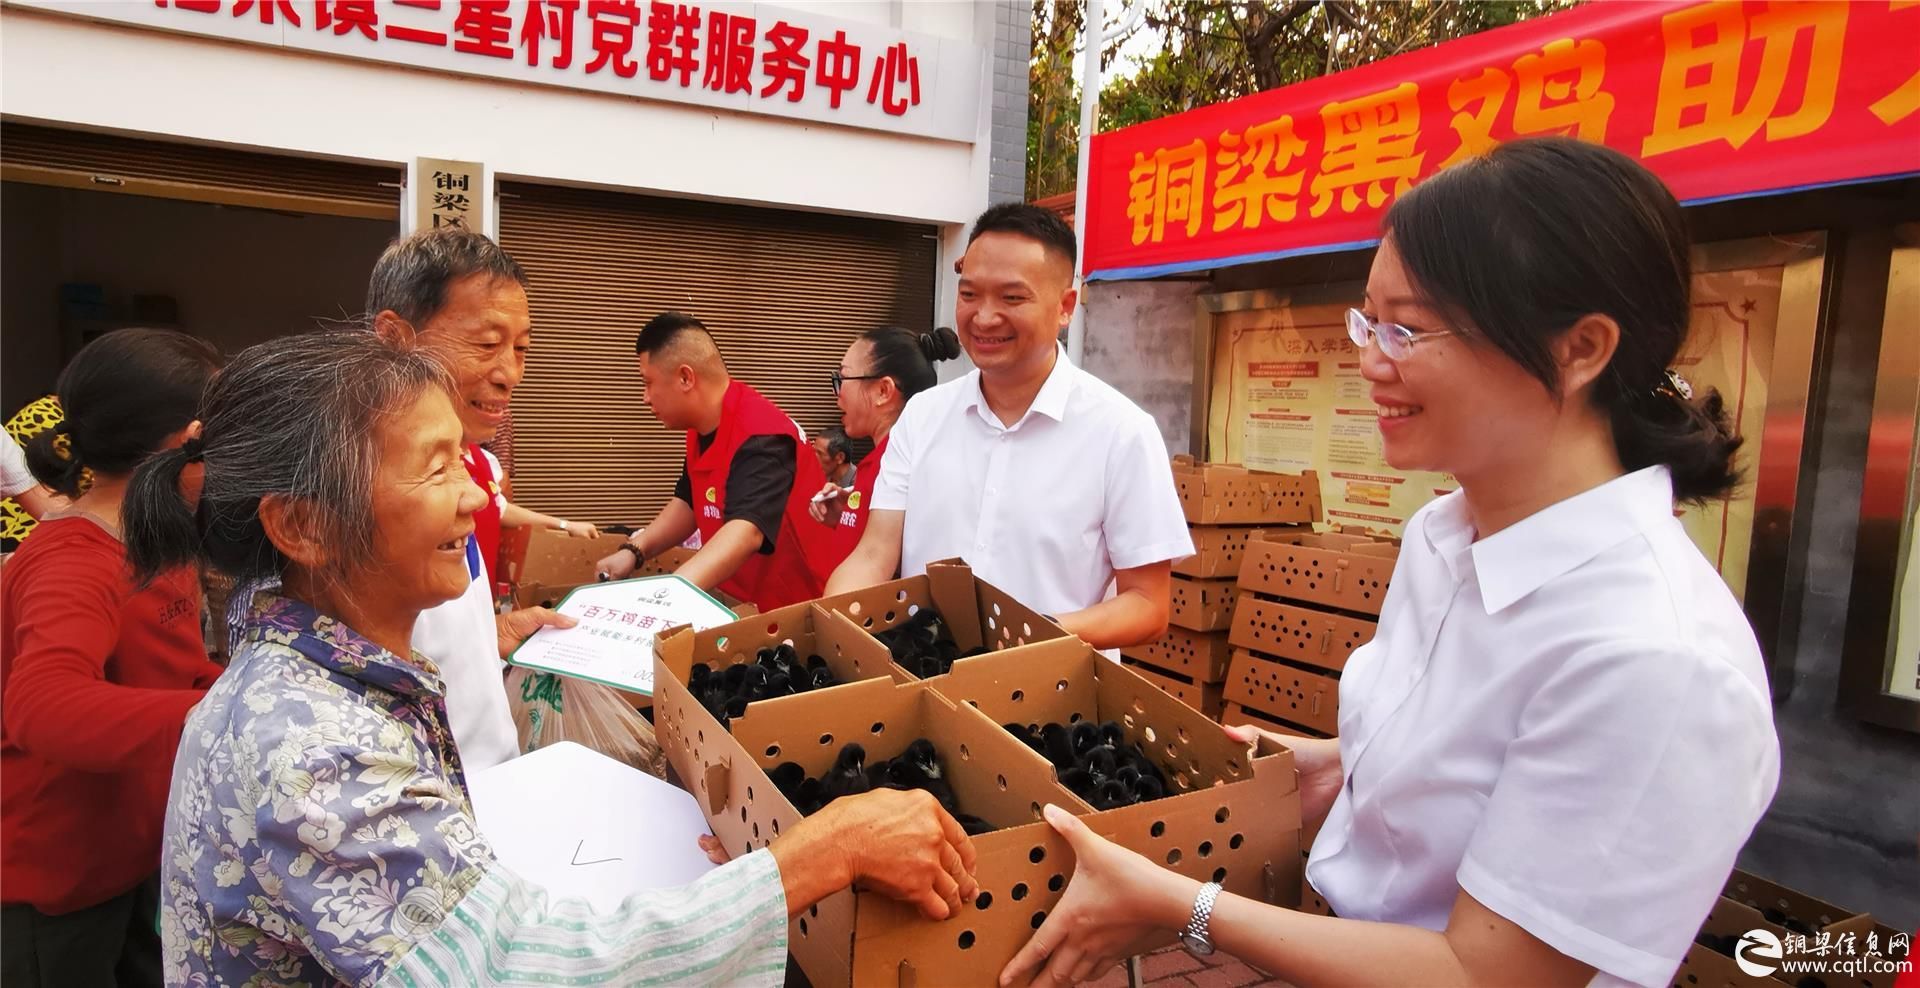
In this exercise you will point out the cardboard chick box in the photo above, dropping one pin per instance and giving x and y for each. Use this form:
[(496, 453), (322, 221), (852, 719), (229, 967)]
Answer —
[(976, 613), (1201, 605), (1229, 494), (1227, 817), (1298, 634), (1346, 572), (856, 937)]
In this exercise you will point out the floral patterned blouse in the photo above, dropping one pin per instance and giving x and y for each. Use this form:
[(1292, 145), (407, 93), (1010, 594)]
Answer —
[(319, 833)]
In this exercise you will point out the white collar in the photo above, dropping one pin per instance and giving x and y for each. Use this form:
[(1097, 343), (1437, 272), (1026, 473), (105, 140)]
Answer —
[(1051, 400), (1525, 556)]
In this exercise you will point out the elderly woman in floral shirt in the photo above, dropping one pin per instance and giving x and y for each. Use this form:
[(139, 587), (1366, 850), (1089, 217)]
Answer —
[(319, 831)]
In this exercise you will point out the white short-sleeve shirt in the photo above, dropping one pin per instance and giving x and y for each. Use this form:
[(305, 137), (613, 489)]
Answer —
[(15, 478), (1045, 509), (1568, 719)]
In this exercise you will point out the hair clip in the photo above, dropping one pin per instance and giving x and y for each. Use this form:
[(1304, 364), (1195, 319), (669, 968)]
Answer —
[(63, 445), (1674, 386)]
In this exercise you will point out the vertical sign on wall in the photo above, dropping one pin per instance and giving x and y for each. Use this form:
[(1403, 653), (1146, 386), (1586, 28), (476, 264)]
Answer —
[(450, 193)]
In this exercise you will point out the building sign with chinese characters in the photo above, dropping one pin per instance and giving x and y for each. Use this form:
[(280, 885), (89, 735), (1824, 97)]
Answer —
[(1719, 99), (744, 57), (450, 194)]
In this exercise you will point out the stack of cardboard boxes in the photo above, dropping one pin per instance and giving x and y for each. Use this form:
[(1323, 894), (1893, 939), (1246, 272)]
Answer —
[(1225, 505), (1306, 602), (1230, 815)]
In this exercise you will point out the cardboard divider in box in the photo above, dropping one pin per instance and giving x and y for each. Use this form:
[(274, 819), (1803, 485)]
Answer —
[(1217, 550), (977, 613), (1202, 605), (1785, 910), (1228, 817), (1346, 572), (851, 653), (1201, 655), (1283, 691), (1298, 634), (1228, 494), (1706, 966), (1204, 697), (862, 938)]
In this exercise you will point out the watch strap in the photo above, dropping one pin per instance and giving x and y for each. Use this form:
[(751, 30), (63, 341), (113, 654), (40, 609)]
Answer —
[(1198, 925)]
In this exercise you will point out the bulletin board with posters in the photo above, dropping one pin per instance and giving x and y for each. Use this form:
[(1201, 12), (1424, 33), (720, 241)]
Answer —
[(1281, 390)]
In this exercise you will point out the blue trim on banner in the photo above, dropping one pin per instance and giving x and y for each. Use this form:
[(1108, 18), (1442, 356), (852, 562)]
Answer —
[(1186, 267)]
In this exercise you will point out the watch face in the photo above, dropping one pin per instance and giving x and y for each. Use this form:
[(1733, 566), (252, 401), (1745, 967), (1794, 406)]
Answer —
[(1197, 946)]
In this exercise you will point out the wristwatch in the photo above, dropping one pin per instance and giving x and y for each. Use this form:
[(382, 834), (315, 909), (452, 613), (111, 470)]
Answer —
[(1194, 937)]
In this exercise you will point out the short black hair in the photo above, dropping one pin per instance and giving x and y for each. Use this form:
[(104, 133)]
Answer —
[(662, 330), (1027, 220), (413, 273)]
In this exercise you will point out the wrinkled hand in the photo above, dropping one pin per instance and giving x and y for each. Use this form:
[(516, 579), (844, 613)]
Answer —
[(903, 845), (833, 500), (1104, 915), (1316, 760), (517, 625), (582, 530), (716, 852), (618, 566)]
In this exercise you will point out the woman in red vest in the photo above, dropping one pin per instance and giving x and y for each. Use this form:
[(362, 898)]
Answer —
[(879, 374), (748, 478)]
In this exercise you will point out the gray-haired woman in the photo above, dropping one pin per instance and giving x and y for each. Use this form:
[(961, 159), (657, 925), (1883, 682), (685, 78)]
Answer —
[(319, 829)]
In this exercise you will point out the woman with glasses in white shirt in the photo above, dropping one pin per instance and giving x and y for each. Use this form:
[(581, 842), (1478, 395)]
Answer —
[(1562, 734)]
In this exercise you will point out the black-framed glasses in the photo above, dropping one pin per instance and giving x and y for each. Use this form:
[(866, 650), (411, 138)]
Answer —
[(838, 379)]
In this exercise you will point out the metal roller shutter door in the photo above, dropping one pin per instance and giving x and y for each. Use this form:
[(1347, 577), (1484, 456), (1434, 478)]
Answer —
[(783, 292)]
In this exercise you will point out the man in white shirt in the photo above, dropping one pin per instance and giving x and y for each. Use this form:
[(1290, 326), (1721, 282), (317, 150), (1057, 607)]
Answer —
[(1053, 486)]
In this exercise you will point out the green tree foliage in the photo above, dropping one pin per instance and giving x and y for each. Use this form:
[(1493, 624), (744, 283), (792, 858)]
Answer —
[(1209, 52)]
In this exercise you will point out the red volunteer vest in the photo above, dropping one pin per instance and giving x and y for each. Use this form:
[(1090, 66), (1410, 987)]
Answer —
[(486, 521), (853, 520), (798, 567)]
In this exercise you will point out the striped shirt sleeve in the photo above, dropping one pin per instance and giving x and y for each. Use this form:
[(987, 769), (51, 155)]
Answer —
[(727, 928)]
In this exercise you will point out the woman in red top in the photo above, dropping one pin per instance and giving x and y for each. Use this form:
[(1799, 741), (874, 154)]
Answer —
[(96, 677), (878, 374)]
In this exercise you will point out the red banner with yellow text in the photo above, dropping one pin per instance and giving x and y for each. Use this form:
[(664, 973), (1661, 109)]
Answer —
[(1719, 99)]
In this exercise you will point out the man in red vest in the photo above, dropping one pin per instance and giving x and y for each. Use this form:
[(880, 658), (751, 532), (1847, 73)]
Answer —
[(748, 477)]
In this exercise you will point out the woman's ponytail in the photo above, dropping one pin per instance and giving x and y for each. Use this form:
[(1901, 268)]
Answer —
[(941, 344), (1691, 436), (161, 530), (53, 460)]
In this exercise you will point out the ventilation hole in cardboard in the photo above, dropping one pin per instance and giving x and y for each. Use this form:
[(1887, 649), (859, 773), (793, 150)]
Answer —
[(1193, 765), (1173, 856), (703, 785), (867, 624), (1693, 979), (720, 642), (912, 609), (773, 751), (1019, 891), (1057, 882), (996, 610), (901, 596), (1173, 751), (1060, 687), (889, 618), (776, 826), (992, 624), (975, 704), (854, 608), (756, 830), (1019, 695), (1236, 841), (803, 926), (983, 900), (1205, 848), (1127, 719), (1037, 855), (749, 794), (1002, 780), (1219, 874), (1038, 814), (826, 739), (966, 940), (773, 628), (1138, 707), (1026, 628), (1038, 918), (1183, 781), (743, 814), (1073, 719), (877, 727), (814, 911), (1233, 766), (702, 735), (965, 755), (1159, 828), (1220, 815), (1151, 737), (746, 847)]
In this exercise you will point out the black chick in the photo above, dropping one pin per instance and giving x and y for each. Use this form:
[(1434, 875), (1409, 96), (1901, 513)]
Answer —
[(848, 776), (787, 777), (1059, 745)]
